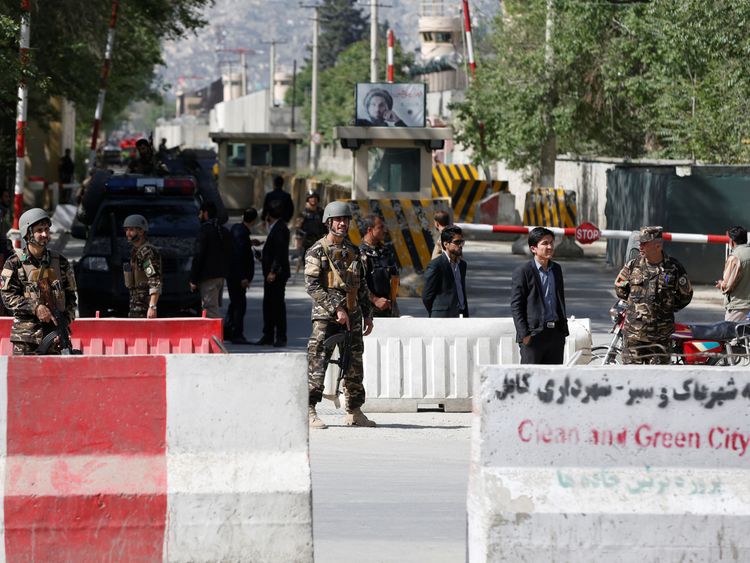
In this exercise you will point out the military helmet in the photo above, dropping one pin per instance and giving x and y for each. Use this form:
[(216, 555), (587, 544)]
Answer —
[(336, 209), (31, 218), (135, 221), (312, 194), (647, 234)]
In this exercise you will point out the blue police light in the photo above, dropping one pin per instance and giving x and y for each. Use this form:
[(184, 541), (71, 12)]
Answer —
[(126, 185)]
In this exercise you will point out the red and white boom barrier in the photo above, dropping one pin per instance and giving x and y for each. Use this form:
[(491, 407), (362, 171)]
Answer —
[(586, 233), (389, 75), (469, 44)]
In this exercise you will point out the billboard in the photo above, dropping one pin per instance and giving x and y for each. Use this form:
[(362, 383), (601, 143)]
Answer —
[(390, 105)]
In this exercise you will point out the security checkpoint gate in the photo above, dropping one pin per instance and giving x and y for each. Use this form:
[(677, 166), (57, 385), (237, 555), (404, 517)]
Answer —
[(627, 464)]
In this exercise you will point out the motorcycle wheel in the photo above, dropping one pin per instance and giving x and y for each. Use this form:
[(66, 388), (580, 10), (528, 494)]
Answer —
[(599, 356)]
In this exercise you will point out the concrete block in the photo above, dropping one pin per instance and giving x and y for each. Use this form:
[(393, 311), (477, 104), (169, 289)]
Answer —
[(623, 463)]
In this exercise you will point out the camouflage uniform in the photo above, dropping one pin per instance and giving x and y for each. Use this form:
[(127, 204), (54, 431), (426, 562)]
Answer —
[(309, 226), (142, 278), (654, 292), (328, 294), (28, 282), (380, 267)]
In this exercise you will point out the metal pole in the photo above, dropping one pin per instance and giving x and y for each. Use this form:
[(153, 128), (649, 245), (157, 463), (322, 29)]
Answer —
[(314, 109), (294, 90), (243, 73), (21, 110), (272, 71), (389, 75), (103, 86), (373, 40), (469, 46)]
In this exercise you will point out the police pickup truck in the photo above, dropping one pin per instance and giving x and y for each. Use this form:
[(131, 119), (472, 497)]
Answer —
[(170, 204)]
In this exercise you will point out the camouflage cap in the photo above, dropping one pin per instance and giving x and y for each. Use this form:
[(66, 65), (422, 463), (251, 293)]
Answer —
[(648, 234)]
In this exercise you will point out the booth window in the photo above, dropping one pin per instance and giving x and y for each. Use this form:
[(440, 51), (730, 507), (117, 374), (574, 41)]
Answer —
[(393, 170), (274, 154), (236, 155)]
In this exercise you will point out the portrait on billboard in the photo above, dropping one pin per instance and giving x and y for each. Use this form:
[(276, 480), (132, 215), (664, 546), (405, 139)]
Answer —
[(390, 105)]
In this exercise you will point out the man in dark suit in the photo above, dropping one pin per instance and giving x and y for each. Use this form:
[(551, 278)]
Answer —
[(275, 260), (444, 293), (538, 303), (241, 272), (278, 194)]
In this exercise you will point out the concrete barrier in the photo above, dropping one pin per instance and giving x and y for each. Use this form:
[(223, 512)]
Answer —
[(148, 458), (623, 464), (413, 363), (106, 337)]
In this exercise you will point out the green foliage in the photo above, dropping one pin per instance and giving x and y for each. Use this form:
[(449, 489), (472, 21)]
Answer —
[(341, 24), (68, 39), (664, 79), (336, 84)]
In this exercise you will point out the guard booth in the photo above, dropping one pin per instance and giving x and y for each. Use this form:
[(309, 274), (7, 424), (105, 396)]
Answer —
[(392, 162), (243, 157)]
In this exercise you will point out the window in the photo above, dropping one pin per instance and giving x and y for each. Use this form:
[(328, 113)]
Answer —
[(276, 154), (442, 37), (393, 170), (236, 155)]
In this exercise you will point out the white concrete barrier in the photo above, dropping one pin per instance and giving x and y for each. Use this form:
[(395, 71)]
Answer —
[(419, 362), (147, 458), (616, 464)]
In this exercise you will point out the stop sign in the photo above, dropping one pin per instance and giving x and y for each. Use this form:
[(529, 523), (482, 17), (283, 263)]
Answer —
[(586, 233)]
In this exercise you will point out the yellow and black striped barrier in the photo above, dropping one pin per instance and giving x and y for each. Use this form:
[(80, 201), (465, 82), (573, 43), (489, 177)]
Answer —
[(550, 207), (460, 183), (409, 223)]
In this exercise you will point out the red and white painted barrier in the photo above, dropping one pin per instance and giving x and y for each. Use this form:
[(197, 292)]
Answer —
[(586, 233), (389, 72), (103, 87), (155, 458), (469, 43), (21, 112), (108, 337)]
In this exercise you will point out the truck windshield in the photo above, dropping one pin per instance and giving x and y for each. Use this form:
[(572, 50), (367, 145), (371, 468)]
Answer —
[(164, 220)]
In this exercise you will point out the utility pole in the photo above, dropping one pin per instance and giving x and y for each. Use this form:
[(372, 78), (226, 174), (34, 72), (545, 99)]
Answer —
[(315, 137), (373, 40), (243, 52), (549, 146), (272, 69)]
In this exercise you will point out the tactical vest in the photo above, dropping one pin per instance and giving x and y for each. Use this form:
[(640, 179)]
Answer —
[(379, 271), (43, 283), (343, 271), (739, 297), (135, 277)]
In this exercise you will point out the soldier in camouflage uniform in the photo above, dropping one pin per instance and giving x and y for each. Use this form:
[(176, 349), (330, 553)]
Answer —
[(143, 272), (335, 280), (35, 283), (655, 286), (381, 268), (309, 226)]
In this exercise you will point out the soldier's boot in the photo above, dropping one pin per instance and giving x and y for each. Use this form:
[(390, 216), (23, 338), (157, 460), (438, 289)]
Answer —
[(315, 421), (355, 417)]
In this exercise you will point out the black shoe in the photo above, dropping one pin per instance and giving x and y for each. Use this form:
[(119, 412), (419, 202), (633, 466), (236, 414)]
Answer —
[(240, 340), (280, 344), (264, 342)]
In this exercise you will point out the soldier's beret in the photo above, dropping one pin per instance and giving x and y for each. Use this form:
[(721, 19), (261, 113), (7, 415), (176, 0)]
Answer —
[(648, 234)]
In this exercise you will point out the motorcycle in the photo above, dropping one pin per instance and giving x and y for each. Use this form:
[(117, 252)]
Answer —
[(723, 343)]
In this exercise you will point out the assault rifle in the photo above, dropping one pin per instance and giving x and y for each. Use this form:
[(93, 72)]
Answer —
[(61, 334), (342, 341)]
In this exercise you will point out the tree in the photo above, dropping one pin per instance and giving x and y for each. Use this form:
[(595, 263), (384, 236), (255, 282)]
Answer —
[(68, 39), (664, 78), (341, 24)]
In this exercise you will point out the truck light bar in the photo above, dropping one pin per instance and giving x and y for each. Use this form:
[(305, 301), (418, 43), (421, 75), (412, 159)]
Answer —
[(138, 185)]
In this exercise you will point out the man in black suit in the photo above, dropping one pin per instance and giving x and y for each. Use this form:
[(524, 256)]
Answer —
[(444, 293), (278, 194), (241, 272), (538, 303), (275, 261)]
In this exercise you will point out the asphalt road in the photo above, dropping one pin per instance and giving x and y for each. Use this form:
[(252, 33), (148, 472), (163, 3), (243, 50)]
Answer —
[(397, 492)]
